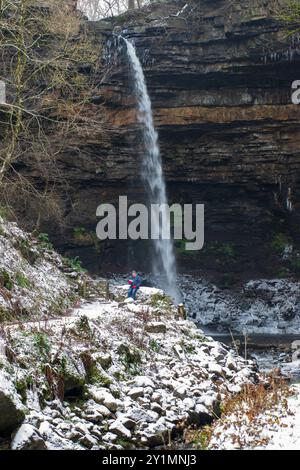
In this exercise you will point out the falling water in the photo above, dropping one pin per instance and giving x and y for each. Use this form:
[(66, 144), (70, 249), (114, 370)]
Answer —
[(164, 263)]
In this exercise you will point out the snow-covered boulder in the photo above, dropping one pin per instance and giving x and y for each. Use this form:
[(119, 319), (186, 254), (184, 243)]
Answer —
[(28, 438), (12, 412)]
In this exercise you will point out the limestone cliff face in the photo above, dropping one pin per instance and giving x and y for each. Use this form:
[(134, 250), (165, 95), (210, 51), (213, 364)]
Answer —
[(219, 74)]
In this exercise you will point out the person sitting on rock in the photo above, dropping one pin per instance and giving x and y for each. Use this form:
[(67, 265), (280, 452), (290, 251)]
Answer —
[(134, 285)]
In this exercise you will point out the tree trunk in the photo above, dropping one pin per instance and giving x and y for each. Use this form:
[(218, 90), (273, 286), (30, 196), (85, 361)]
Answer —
[(131, 4)]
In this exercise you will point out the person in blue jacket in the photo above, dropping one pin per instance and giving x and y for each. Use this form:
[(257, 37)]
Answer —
[(134, 284)]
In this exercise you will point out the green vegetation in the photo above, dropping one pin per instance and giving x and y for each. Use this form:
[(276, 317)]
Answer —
[(224, 250), (295, 263), (290, 15), (292, 259), (22, 385), (154, 345), (199, 438), (130, 358), (126, 444), (201, 338), (6, 280), (83, 324), (189, 348), (80, 232), (74, 264), (99, 378), (279, 242), (44, 241), (161, 301), (180, 248), (4, 212), (24, 247), (22, 281), (5, 315), (82, 235), (42, 344)]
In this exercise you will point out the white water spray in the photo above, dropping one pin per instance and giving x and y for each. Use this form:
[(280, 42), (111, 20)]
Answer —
[(164, 263)]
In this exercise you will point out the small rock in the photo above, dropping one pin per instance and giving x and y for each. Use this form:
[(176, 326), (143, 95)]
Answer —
[(119, 429), (110, 437), (143, 381), (157, 408), (180, 392), (156, 397), (156, 327), (179, 351), (45, 429), (88, 441), (104, 398), (104, 359), (215, 369), (189, 403), (136, 392)]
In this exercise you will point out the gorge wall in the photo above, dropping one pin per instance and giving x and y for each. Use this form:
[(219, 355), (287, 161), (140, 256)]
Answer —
[(219, 73)]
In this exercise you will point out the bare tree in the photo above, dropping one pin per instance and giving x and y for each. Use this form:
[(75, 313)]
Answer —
[(96, 9), (131, 4), (42, 51)]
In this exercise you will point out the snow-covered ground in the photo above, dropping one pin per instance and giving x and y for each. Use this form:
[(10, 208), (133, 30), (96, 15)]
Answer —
[(277, 428), (34, 279), (117, 374), (286, 435), (137, 374)]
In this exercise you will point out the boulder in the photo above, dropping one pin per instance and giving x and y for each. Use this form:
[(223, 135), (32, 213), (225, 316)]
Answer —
[(136, 392), (103, 397), (200, 416), (118, 428), (143, 381), (28, 438), (73, 372), (12, 412), (104, 360)]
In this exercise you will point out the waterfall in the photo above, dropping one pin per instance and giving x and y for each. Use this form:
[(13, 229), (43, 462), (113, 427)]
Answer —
[(163, 257)]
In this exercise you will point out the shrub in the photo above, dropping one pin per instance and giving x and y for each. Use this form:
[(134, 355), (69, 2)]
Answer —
[(45, 243), (22, 281), (6, 280), (42, 344), (75, 264)]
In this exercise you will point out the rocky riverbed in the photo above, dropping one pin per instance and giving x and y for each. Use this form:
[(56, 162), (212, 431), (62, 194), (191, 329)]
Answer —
[(262, 306)]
